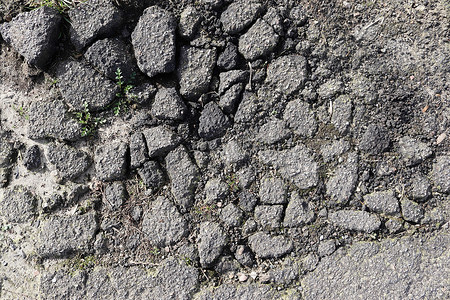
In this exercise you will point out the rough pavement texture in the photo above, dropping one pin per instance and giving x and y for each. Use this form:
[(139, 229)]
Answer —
[(153, 41), (95, 18), (34, 35), (259, 145), (80, 84), (406, 268)]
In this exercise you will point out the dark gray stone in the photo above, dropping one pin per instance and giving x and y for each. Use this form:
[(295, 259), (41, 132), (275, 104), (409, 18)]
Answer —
[(269, 216), (441, 173), (63, 235), (58, 285), (393, 225), (298, 15), (115, 195), (246, 177), (341, 185), (240, 15), (69, 162), (216, 190), (230, 78), (93, 19), (189, 21), (258, 41), (355, 220), (160, 140), (144, 93), (32, 158), (162, 224), (111, 161), (34, 35), (411, 211), (109, 55), (51, 120), (184, 176), (412, 151), (249, 227), (211, 241), (326, 248), (229, 58), (382, 202), (152, 174), (298, 212), (287, 74), (7, 152), (342, 113), (138, 150), (330, 88), (233, 154), (272, 191), (244, 256), (195, 71), (273, 132), (17, 204), (284, 275), (231, 215), (375, 140), (267, 246), (274, 18), (336, 148), (80, 84), (420, 188), (405, 268), (168, 105), (300, 118), (249, 108), (153, 40), (213, 123), (230, 98), (296, 165), (247, 201)]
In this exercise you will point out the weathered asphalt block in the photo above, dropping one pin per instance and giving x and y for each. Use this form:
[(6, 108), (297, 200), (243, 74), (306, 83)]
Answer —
[(184, 176), (296, 165), (51, 119), (382, 202), (405, 268), (287, 74), (162, 224), (80, 84), (273, 131), (211, 241), (111, 161), (69, 162), (93, 19), (213, 123), (412, 151), (266, 246), (298, 212), (160, 140), (195, 71), (355, 220), (168, 105), (240, 15), (153, 40), (441, 174), (258, 41), (341, 185), (300, 118), (64, 235), (34, 35), (17, 204), (109, 55)]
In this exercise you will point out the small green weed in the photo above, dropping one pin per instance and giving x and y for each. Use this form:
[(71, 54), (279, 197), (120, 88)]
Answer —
[(79, 263), (233, 182), (124, 95), (62, 6), (90, 124), (22, 112)]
